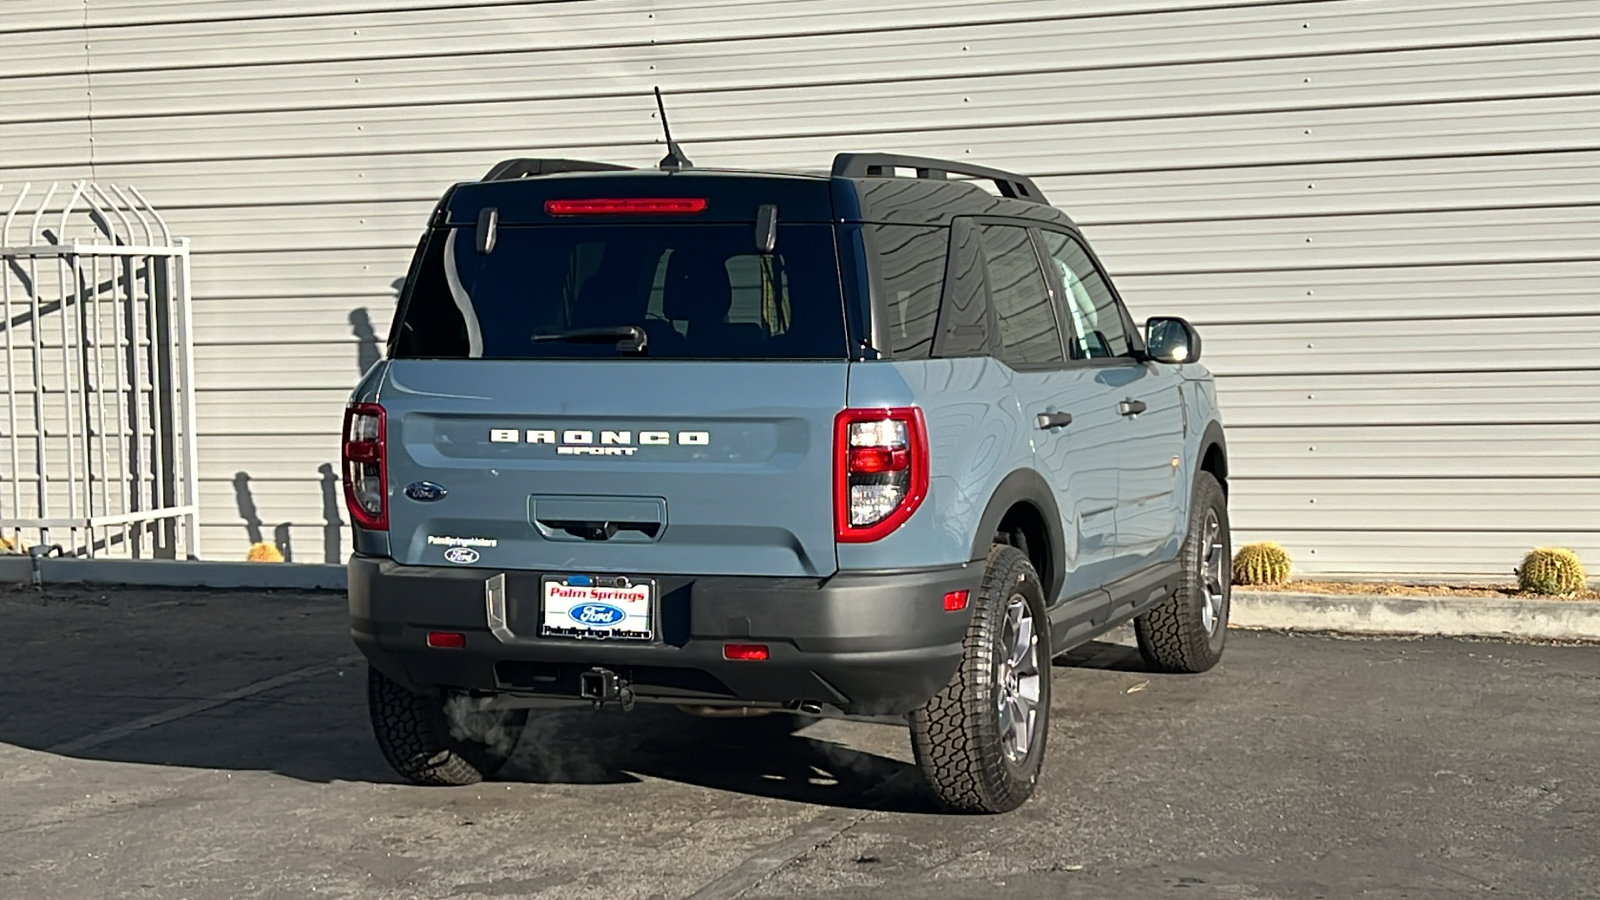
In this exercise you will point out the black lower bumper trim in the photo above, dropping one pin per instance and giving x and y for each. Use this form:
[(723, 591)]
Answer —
[(867, 644)]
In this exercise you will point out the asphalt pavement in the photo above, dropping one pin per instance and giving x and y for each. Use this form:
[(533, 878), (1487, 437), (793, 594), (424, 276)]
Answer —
[(186, 744)]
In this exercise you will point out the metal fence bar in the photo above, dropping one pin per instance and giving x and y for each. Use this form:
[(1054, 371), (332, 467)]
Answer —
[(36, 329), (102, 224), (122, 280), (12, 437), (157, 356), (191, 437), (91, 247), (144, 397), (127, 407), (135, 387), (98, 520), (72, 300), (176, 388)]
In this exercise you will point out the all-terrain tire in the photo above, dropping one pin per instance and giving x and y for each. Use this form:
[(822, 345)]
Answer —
[(1186, 632), (414, 732), (958, 737)]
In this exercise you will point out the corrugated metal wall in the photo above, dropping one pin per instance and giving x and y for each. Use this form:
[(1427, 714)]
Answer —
[(1383, 213)]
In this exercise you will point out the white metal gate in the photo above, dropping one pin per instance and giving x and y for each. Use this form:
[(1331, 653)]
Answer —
[(99, 450)]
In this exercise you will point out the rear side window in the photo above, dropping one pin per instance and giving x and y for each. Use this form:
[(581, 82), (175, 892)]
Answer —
[(1028, 331), (911, 263), (697, 291)]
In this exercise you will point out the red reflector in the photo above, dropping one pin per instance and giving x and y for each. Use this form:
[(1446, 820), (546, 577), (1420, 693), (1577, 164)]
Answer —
[(870, 460), (748, 652), (362, 451), (955, 600), (447, 640), (625, 206)]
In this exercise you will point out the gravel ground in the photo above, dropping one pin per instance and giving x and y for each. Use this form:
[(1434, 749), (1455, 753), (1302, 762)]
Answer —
[(1417, 589)]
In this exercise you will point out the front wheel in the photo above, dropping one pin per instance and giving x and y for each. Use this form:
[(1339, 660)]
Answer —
[(1186, 632), (436, 740), (980, 741)]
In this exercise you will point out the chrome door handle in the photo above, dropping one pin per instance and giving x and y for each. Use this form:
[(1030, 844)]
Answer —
[(1131, 407), (1053, 420)]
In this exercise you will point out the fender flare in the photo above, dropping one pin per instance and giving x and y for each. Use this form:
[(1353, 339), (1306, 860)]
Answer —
[(1213, 437), (1026, 486)]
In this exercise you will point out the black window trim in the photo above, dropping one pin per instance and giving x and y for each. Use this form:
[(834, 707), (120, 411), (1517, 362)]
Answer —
[(991, 325)]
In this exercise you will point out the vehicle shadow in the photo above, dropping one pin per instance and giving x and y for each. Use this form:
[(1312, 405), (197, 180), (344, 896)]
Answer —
[(1104, 655), (759, 756), (270, 683)]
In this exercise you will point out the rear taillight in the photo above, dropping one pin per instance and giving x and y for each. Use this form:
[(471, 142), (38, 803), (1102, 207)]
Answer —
[(365, 491), (880, 471)]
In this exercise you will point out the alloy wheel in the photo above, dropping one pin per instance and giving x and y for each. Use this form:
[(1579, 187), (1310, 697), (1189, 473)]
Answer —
[(1213, 566), (1019, 679)]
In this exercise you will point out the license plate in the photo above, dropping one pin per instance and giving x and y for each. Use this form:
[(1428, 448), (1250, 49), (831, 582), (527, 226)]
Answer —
[(597, 606)]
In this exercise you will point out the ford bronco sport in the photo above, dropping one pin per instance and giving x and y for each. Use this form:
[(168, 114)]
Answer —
[(878, 442)]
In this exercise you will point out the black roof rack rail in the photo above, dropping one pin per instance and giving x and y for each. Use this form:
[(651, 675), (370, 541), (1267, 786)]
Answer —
[(881, 165), (525, 168)]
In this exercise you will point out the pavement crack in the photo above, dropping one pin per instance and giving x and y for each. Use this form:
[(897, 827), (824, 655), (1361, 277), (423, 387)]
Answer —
[(117, 732), (818, 833)]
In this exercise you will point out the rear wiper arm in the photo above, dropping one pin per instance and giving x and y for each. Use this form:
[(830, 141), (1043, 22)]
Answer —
[(628, 338)]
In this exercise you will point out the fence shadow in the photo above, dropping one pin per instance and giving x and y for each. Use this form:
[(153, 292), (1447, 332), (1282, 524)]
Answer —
[(368, 346)]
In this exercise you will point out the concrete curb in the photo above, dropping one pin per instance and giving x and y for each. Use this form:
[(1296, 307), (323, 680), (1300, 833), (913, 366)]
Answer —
[(1561, 620), (176, 573)]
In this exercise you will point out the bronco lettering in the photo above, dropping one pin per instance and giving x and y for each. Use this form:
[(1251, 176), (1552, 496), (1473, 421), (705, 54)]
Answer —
[(582, 442)]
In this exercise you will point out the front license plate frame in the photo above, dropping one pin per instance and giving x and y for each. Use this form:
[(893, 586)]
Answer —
[(597, 608)]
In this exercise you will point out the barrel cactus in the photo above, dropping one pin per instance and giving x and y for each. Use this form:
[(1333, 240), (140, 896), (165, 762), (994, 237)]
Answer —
[(1261, 564), (263, 552), (1551, 570)]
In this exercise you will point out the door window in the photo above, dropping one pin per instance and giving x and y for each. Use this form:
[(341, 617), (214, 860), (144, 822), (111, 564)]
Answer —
[(1091, 307), (1028, 331)]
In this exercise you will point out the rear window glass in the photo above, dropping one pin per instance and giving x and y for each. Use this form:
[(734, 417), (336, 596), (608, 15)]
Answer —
[(911, 263), (697, 291)]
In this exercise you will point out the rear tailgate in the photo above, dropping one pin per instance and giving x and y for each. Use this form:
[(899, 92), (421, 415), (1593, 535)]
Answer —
[(636, 466)]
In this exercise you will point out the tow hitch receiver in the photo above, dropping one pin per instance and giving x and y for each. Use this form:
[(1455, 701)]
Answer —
[(602, 686)]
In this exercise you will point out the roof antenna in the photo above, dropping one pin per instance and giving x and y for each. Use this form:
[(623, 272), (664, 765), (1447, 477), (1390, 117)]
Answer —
[(674, 158)]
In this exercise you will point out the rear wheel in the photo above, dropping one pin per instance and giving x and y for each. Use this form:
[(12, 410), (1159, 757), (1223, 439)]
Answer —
[(440, 740), (980, 741), (1186, 633)]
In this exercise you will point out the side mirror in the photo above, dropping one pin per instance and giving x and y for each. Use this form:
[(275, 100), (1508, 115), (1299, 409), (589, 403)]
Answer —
[(1171, 340)]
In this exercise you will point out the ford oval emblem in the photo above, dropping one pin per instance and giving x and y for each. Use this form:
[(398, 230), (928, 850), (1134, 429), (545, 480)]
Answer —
[(425, 491), (461, 555), (593, 614)]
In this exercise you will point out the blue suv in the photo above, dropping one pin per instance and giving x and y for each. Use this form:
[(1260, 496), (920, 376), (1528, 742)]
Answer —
[(877, 442)]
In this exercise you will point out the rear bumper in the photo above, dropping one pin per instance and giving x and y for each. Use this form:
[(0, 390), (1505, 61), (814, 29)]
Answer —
[(864, 644)]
